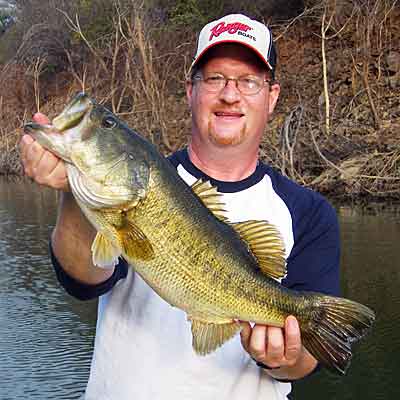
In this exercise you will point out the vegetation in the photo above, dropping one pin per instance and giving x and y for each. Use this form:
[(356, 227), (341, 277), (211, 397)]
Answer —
[(335, 128)]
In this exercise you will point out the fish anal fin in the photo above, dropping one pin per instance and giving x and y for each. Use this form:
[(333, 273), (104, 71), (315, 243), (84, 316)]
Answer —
[(208, 336), (265, 242), (104, 253), (135, 245), (211, 198)]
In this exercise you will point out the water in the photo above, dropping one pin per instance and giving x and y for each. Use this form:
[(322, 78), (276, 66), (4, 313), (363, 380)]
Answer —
[(370, 275), (46, 337)]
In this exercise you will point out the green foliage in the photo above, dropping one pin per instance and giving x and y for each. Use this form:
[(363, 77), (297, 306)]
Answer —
[(96, 19), (85, 5), (194, 14), (7, 44)]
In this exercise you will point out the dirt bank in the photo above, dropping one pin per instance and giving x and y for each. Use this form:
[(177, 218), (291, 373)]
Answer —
[(336, 127)]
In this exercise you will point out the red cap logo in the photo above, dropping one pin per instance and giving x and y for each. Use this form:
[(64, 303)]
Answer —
[(230, 28)]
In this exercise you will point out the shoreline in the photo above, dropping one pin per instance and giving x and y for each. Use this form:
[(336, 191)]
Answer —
[(365, 203)]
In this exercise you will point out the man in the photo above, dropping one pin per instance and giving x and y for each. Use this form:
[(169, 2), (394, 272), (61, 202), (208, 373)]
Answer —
[(143, 345)]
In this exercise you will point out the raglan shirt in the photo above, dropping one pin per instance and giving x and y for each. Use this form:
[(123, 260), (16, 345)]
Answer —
[(143, 345)]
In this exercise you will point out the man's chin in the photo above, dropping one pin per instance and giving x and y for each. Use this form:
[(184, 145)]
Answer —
[(224, 139)]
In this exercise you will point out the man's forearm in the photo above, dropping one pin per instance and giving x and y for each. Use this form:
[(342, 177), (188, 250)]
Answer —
[(71, 241)]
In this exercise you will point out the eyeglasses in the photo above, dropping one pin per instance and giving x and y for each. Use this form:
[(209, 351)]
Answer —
[(247, 85)]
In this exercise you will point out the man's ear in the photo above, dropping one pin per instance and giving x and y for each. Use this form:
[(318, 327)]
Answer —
[(189, 91), (274, 91)]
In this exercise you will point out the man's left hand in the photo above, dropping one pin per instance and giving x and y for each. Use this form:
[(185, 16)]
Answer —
[(272, 346)]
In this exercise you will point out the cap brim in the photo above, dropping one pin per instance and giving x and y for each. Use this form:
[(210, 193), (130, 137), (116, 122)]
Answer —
[(230, 41)]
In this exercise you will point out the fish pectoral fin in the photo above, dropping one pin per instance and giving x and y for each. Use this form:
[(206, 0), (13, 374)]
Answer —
[(104, 253), (211, 198), (135, 245), (265, 243), (208, 336)]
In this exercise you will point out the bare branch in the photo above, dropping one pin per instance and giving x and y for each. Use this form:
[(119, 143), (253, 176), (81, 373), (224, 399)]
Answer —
[(75, 26)]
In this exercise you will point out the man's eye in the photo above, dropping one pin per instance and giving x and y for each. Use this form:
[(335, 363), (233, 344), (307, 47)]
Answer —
[(214, 79), (249, 82), (109, 122)]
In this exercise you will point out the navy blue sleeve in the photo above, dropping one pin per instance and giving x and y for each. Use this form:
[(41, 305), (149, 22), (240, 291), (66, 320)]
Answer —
[(313, 264), (84, 291)]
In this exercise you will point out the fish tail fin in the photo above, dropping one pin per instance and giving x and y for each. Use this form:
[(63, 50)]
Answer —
[(336, 324)]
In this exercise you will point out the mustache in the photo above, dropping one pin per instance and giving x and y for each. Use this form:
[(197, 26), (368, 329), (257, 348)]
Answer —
[(228, 110)]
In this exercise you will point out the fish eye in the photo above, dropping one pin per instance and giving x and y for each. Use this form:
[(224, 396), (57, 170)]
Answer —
[(109, 122)]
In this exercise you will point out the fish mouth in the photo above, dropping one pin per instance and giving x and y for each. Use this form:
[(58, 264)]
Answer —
[(51, 136), (73, 113), (32, 128)]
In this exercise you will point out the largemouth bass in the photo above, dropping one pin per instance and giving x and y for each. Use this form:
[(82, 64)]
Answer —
[(177, 238)]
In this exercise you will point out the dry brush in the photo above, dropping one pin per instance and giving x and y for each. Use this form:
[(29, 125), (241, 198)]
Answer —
[(335, 128)]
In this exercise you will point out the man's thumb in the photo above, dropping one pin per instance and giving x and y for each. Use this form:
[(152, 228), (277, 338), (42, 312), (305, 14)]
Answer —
[(41, 118)]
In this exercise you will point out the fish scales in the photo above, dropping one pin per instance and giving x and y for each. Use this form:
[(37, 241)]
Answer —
[(212, 275)]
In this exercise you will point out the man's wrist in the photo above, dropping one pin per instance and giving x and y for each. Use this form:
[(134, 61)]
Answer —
[(264, 366)]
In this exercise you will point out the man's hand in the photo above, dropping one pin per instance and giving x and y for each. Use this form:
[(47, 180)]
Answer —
[(73, 234), (40, 164), (279, 349)]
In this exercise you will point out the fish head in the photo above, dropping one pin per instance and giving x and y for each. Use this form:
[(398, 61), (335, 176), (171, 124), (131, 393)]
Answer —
[(65, 130), (96, 145), (85, 134)]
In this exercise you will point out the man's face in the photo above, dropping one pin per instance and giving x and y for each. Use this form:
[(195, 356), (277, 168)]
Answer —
[(229, 118)]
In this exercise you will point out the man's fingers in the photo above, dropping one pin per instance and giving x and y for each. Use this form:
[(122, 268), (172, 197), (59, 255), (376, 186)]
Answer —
[(24, 144), (32, 157), (41, 118), (45, 167), (257, 346), (245, 335), (41, 165), (275, 346), (59, 176), (292, 340)]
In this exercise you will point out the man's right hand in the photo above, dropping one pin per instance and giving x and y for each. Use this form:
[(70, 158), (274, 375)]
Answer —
[(73, 234), (40, 164)]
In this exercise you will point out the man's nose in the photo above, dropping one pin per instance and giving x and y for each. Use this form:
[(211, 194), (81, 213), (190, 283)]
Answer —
[(230, 93)]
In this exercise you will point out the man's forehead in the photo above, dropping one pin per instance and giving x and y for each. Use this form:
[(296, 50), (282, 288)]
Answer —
[(234, 52)]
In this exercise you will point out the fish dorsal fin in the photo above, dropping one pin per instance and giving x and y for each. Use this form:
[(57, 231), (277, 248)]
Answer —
[(134, 243), (211, 198), (104, 253), (266, 244), (208, 336)]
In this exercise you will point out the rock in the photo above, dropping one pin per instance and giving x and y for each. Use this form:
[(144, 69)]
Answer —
[(393, 61), (394, 81), (352, 167)]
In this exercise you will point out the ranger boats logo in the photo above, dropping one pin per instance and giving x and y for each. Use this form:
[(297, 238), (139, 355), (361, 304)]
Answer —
[(235, 27)]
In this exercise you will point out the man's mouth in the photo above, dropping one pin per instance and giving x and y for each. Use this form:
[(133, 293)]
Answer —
[(228, 114)]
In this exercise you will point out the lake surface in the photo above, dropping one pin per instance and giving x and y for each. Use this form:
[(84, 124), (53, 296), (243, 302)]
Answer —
[(46, 337)]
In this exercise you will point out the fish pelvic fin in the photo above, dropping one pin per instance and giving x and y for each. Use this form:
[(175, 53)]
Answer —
[(134, 243), (266, 244), (211, 198), (208, 336), (104, 253), (336, 324)]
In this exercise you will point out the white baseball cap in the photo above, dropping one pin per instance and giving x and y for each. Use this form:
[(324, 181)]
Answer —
[(237, 28)]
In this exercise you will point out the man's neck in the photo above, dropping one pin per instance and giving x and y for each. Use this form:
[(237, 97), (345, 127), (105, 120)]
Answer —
[(223, 164)]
